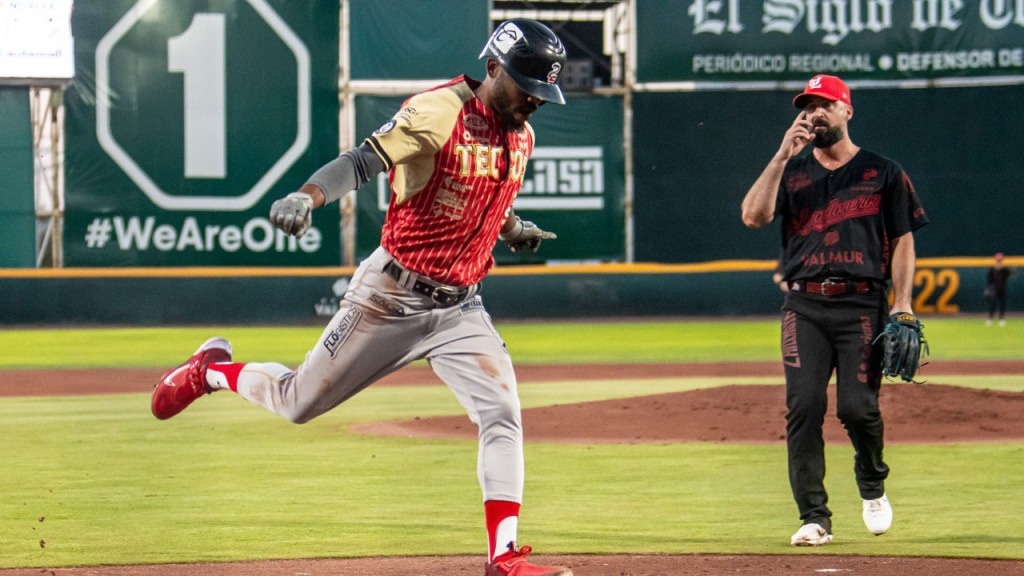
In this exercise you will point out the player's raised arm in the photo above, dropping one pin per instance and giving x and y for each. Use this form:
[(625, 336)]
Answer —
[(293, 214), (759, 204)]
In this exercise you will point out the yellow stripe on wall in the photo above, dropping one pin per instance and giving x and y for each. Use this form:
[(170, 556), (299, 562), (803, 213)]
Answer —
[(637, 268)]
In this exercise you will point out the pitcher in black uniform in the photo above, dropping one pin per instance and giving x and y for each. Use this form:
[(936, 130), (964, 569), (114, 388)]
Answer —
[(848, 217)]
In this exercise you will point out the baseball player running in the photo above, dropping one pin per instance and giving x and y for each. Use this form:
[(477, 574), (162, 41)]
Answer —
[(455, 157), (848, 217)]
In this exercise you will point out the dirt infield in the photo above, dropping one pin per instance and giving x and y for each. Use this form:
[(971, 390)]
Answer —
[(737, 413), (811, 564)]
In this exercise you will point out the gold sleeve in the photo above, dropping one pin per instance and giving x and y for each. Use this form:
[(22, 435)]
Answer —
[(420, 128), (408, 142)]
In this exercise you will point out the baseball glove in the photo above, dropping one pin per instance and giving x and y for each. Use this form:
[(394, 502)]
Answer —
[(903, 345)]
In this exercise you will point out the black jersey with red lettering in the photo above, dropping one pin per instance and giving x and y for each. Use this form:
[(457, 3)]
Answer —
[(839, 223)]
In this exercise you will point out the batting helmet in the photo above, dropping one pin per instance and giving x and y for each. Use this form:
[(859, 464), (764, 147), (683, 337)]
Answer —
[(531, 54)]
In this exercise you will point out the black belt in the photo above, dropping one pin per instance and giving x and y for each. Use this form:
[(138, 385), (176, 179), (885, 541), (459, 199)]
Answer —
[(834, 286), (442, 295)]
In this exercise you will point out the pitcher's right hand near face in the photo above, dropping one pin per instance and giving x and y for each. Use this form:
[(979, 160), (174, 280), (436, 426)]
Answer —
[(797, 137), (293, 214)]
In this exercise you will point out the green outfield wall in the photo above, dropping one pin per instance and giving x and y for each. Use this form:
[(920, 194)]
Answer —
[(161, 173), (695, 163), (17, 209), (289, 296)]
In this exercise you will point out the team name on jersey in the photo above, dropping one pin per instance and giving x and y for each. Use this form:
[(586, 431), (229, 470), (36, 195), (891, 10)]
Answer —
[(482, 160), (837, 211), (836, 257)]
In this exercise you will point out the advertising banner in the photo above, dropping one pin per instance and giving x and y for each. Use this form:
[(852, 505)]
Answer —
[(35, 42), (574, 183), (734, 40), (187, 119)]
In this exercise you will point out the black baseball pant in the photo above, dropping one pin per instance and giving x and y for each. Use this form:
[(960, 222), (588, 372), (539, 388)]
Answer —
[(822, 334)]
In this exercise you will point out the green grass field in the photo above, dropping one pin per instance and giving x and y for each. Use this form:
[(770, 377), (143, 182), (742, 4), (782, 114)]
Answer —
[(96, 480), (530, 343)]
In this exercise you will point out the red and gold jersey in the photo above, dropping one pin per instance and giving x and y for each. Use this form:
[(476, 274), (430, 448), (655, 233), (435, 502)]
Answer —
[(454, 171)]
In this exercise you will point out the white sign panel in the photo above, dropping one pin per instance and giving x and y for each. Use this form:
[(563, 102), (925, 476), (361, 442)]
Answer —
[(35, 41)]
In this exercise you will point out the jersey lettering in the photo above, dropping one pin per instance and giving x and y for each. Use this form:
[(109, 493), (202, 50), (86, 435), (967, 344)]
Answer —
[(478, 160), (517, 165), (818, 220), (838, 257)]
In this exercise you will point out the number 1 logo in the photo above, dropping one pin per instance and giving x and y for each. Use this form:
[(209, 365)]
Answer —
[(200, 55)]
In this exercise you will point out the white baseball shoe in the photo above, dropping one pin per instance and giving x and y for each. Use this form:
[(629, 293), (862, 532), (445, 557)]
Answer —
[(878, 515), (811, 535)]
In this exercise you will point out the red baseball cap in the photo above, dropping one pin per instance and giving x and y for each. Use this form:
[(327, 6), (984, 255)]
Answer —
[(825, 86)]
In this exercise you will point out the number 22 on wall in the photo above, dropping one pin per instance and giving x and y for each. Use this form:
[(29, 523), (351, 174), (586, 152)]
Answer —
[(928, 283)]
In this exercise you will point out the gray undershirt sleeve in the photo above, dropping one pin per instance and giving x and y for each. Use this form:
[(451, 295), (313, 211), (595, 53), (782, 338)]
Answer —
[(347, 172)]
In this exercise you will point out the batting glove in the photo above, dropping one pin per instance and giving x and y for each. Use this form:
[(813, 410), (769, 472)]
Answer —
[(525, 236), (293, 214)]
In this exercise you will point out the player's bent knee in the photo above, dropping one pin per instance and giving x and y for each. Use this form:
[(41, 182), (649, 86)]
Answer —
[(503, 421), (301, 414)]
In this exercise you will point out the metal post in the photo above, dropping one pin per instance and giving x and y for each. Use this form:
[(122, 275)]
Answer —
[(56, 109), (629, 79), (47, 118), (346, 133)]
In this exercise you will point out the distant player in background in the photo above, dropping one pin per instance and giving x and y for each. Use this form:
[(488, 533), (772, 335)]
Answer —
[(456, 157), (848, 217), (995, 289)]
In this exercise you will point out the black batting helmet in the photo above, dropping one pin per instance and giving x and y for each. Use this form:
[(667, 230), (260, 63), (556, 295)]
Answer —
[(531, 54)]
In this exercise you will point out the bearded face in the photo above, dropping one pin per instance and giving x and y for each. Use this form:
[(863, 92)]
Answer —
[(825, 135), (511, 104), (822, 114)]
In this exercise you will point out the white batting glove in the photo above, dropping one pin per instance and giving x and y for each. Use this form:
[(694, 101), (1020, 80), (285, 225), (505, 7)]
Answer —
[(525, 236), (293, 214)]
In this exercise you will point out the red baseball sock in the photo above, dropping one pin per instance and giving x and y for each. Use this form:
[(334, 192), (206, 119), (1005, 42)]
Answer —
[(502, 523), (224, 376)]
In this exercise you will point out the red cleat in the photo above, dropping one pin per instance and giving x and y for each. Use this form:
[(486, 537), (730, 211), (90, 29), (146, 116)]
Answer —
[(513, 563), (181, 386)]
